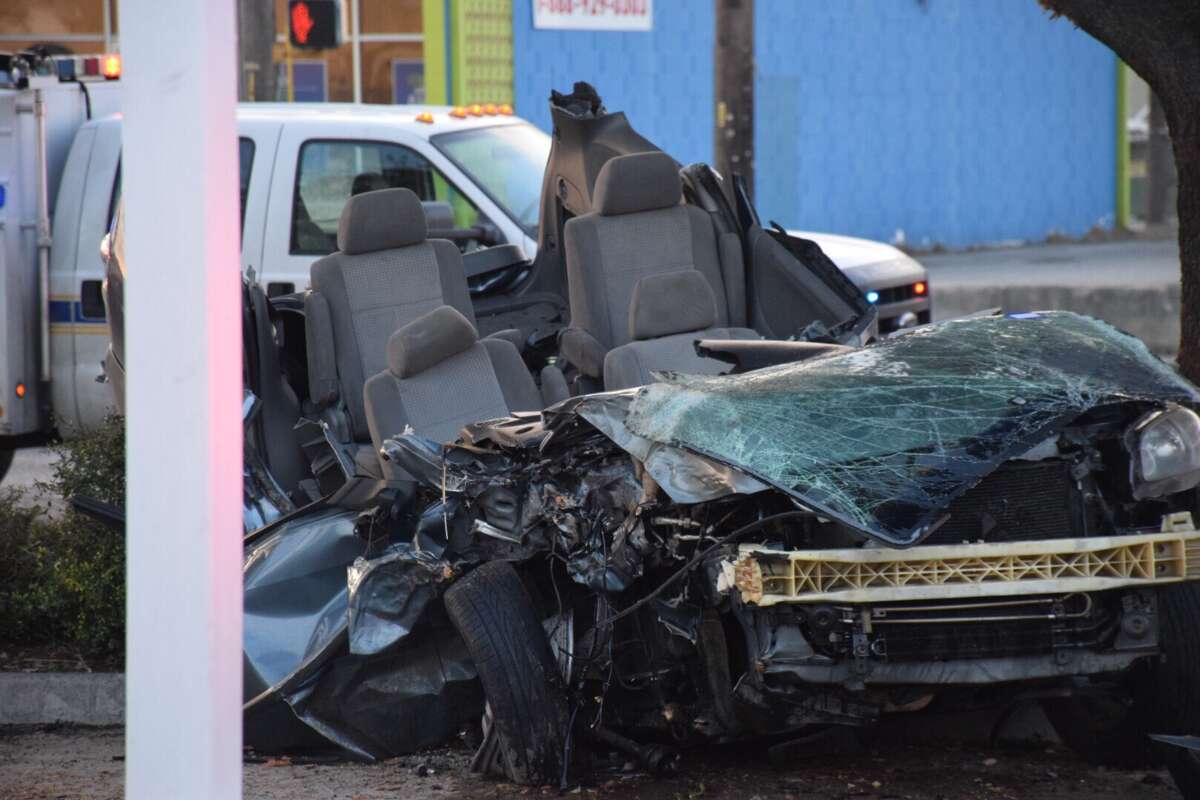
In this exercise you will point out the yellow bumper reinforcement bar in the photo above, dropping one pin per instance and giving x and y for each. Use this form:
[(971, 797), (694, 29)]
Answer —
[(764, 576)]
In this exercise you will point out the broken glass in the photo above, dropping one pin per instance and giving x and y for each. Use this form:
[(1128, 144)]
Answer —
[(884, 437)]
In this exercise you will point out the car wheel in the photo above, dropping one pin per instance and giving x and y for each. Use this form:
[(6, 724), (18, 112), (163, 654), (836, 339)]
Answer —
[(1103, 730), (1185, 769), (1172, 705), (495, 617)]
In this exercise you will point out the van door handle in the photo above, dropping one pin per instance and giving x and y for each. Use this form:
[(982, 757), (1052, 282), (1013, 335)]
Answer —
[(91, 301)]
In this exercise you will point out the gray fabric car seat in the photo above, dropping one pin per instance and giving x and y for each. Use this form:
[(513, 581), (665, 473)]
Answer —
[(441, 376), (640, 228), (667, 314), (384, 274)]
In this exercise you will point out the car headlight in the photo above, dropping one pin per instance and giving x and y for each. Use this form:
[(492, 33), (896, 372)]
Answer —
[(1165, 446)]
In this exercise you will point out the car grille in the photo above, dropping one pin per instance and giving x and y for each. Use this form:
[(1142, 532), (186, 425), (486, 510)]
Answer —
[(986, 640), (1020, 501), (896, 294), (963, 632)]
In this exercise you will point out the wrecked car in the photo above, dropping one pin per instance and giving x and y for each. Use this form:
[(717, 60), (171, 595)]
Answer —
[(710, 502)]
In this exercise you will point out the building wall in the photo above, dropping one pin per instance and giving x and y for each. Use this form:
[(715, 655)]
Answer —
[(76, 25), (663, 79), (957, 121)]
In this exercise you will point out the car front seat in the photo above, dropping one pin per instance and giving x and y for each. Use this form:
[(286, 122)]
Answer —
[(384, 274), (639, 228), (441, 376), (667, 314)]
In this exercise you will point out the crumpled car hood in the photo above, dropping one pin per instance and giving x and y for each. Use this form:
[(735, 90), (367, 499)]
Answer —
[(885, 437)]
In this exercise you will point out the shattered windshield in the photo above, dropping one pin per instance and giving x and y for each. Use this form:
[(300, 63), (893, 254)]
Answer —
[(883, 437)]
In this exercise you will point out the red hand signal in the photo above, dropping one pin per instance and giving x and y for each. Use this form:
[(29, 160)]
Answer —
[(302, 22)]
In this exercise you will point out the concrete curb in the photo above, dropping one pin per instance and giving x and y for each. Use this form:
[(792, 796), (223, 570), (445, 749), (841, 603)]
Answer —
[(1150, 313), (47, 698)]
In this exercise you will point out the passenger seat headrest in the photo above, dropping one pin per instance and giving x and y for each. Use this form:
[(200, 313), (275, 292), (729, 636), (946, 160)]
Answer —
[(428, 340), (670, 303), (381, 220), (637, 182), (438, 216)]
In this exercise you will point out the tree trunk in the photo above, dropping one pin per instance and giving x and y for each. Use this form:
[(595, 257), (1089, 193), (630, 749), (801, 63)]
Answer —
[(1185, 136), (1158, 39), (1160, 167)]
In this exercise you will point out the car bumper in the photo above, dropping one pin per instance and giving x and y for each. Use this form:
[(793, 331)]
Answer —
[(765, 577)]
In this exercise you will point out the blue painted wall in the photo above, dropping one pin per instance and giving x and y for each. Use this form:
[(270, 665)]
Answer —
[(662, 79), (957, 121)]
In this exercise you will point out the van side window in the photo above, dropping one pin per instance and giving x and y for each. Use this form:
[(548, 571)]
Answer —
[(245, 164), (114, 199), (328, 172)]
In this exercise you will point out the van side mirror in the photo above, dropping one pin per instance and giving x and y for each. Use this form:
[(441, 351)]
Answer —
[(106, 248), (489, 233)]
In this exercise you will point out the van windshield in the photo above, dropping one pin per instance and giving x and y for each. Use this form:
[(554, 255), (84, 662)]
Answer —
[(507, 161)]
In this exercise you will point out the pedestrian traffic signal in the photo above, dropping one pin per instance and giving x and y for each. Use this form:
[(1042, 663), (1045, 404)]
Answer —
[(313, 24)]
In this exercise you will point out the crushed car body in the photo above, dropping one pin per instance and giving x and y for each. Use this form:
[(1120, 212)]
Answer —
[(846, 530), (742, 512)]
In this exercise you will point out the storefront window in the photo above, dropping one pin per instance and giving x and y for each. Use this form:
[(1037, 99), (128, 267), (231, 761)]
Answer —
[(408, 81), (310, 85)]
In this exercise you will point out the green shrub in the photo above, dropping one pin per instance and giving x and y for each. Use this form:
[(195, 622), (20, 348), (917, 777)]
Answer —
[(62, 574)]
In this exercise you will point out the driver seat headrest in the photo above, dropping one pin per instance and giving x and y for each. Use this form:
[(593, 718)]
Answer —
[(383, 219), (637, 182)]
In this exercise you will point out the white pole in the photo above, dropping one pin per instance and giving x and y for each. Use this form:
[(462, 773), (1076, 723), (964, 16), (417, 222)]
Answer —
[(356, 49), (183, 730)]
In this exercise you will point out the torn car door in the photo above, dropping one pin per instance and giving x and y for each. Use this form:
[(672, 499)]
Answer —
[(795, 290)]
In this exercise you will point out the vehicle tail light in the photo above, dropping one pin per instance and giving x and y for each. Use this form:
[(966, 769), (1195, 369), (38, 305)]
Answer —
[(20, 390), (91, 66), (920, 288)]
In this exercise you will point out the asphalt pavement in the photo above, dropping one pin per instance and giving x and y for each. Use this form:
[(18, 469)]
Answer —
[(69, 763)]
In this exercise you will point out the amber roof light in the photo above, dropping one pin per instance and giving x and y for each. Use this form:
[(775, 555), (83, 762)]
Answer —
[(111, 66)]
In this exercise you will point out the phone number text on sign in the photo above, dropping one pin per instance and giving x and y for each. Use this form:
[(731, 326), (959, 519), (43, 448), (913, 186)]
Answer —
[(594, 15)]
